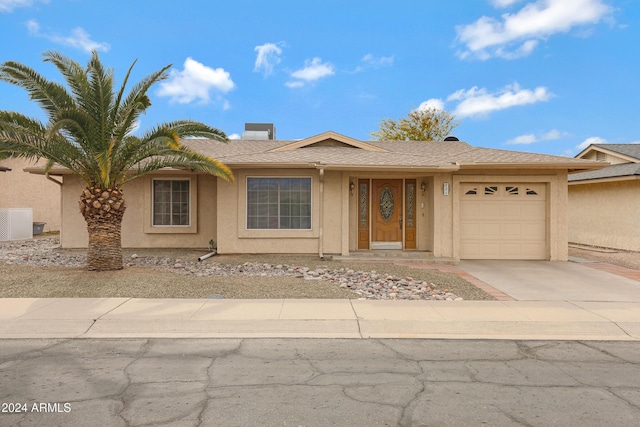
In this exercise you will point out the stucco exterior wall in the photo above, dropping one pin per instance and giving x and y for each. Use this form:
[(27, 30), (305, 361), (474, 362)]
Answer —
[(234, 237), (137, 231), (605, 214), (219, 213), (19, 189)]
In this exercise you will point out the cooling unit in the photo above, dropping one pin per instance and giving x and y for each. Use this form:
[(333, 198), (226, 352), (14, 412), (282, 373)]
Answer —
[(16, 224)]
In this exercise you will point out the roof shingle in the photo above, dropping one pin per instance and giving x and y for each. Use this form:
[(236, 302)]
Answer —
[(408, 154)]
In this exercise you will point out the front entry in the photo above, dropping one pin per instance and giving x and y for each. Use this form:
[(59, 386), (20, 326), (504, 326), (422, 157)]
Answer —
[(387, 220)]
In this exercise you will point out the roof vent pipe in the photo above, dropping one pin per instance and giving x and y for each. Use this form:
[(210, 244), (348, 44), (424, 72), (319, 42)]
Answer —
[(451, 138)]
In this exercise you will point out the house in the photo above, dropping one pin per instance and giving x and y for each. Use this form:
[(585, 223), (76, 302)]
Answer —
[(19, 189), (604, 203), (331, 194)]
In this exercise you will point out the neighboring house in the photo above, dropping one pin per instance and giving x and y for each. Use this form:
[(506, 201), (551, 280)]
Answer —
[(331, 194), (604, 205), (19, 189)]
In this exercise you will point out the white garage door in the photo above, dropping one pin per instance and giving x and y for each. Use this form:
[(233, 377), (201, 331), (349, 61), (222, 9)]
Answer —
[(503, 221)]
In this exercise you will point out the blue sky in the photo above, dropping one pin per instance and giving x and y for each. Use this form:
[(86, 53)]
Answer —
[(547, 76)]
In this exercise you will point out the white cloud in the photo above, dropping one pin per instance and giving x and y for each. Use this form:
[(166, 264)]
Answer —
[(523, 139), (233, 136), (294, 84), (370, 61), (598, 140), (382, 61), (78, 39), (531, 138), (195, 81), (268, 56), (436, 103), (591, 140), (553, 134), (513, 35), (7, 6), (503, 3), (312, 71), (479, 102)]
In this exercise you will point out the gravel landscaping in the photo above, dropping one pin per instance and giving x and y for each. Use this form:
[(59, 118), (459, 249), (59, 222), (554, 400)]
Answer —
[(611, 256), (39, 268)]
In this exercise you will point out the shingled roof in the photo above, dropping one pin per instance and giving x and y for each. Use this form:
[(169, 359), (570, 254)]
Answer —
[(334, 151), (613, 171), (630, 152), (330, 150)]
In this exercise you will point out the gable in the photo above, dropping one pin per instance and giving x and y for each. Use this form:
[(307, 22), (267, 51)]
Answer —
[(329, 139), (329, 143), (611, 153)]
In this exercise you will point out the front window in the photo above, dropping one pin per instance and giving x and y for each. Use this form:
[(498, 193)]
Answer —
[(279, 203), (171, 202)]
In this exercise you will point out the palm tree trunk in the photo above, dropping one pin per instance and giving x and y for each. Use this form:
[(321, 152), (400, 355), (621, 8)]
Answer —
[(103, 210)]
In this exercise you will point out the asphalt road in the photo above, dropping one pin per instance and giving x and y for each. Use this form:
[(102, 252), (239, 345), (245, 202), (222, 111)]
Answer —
[(307, 382)]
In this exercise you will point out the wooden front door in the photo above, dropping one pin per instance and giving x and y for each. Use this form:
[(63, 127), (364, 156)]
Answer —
[(386, 207)]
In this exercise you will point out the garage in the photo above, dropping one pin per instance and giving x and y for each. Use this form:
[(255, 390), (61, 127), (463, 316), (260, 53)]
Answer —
[(503, 221)]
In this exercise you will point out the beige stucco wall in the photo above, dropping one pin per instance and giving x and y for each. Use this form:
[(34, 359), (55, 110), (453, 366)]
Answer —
[(137, 231), (19, 189), (333, 206), (234, 237), (605, 214)]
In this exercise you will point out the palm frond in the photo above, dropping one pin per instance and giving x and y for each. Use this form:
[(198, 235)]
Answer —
[(49, 95), (89, 129)]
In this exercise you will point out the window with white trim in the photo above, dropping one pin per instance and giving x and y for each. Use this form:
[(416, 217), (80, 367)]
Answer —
[(171, 202), (279, 203)]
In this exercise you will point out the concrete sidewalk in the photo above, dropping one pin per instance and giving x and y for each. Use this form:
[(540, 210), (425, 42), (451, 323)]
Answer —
[(210, 318)]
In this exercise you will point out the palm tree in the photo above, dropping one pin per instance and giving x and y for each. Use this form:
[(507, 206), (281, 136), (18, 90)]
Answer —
[(90, 132)]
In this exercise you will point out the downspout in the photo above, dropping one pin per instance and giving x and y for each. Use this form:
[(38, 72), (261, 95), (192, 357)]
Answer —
[(321, 215), (51, 179), (61, 198)]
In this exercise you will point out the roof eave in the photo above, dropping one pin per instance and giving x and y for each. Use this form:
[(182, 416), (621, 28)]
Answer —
[(571, 167), (398, 168), (605, 150), (329, 166), (606, 179)]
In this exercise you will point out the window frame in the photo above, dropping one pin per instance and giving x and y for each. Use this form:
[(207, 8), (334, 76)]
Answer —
[(278, 177), (190, 203)]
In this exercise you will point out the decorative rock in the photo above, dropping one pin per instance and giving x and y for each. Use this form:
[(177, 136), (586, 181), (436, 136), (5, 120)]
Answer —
[(45, 252)]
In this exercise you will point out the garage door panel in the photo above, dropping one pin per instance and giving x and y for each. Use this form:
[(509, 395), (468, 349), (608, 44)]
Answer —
[(480, 210), (503, 221), (479, 230), (476, 249), (536, 210), (511, 231), (535, 231)]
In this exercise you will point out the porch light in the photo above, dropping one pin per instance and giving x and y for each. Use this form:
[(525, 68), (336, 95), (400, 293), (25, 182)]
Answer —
[(423, 187), (352, 187)]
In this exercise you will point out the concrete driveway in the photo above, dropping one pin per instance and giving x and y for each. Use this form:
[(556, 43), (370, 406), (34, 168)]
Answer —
[(553, 281)]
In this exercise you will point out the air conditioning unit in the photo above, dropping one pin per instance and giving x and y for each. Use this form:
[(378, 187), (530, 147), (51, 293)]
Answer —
[(16, 224)]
